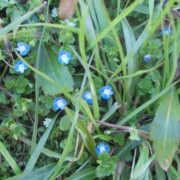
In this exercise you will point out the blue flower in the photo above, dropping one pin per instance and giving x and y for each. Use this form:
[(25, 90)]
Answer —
[(147, 58), (59, 103), (23, 48), (102, 147), (20, 66), (64, 57), (166, 30), (106, 92), (88, 97)]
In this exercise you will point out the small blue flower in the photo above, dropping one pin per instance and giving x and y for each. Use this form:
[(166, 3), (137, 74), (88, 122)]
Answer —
[(64, 57), (106, 92), (23, 48), (102, 147), (59, 103), (147, 58), (88, 97), (166, 30), (20, 66)]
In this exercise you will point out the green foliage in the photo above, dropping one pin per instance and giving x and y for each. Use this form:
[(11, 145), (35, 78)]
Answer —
[(119, 138), (66, 37), (35, 3), (105, 169), (21, 84), (145, 86), (153, 48), (65, 123), (16, 129), (107, 41), (83, 158), (71, 144), (165, 129)]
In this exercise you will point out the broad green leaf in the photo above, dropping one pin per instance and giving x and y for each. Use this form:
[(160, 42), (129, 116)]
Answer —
[(85, 174), (65, 123), (3, 3), (37, 174), (55, 70), (16, 14), (165, 129)]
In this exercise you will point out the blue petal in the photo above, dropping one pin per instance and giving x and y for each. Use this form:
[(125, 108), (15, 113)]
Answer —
[(108, 87), (56, 106), (87, 98), (105, 96), (16, 67), (89, 101), (23, 53), (27, 47), (101, 90), (147, 58), (68, 55), (102, 147)]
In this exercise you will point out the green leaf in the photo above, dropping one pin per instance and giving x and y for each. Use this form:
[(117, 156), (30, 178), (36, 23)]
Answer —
[(3, 98), (65, 123), (87, 137), (37, 174), (35, 155), (55, 70), (133, 134), (3, 4), (119, 138), (15, 15), (87, 173), (165, 129), (9, 159)]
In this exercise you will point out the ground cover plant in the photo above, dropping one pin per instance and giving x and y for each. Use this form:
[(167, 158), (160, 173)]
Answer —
[(89, 89)]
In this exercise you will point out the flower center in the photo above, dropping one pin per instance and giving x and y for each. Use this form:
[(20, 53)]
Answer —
[(22, 48), (88, 96), (21, 68), (64, 57), (102, 149), (60, 103), (107, 91)]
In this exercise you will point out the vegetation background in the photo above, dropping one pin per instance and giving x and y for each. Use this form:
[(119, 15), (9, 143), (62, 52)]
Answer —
[(89, 89)]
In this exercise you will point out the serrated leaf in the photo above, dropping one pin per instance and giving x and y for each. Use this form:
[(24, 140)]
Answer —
[(165, 129), (55, 70), (16, 14), (119, 138)]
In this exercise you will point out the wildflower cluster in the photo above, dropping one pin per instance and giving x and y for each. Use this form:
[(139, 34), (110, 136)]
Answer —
[(106, 92), (107, 164), (23, 49), (152, 49)]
